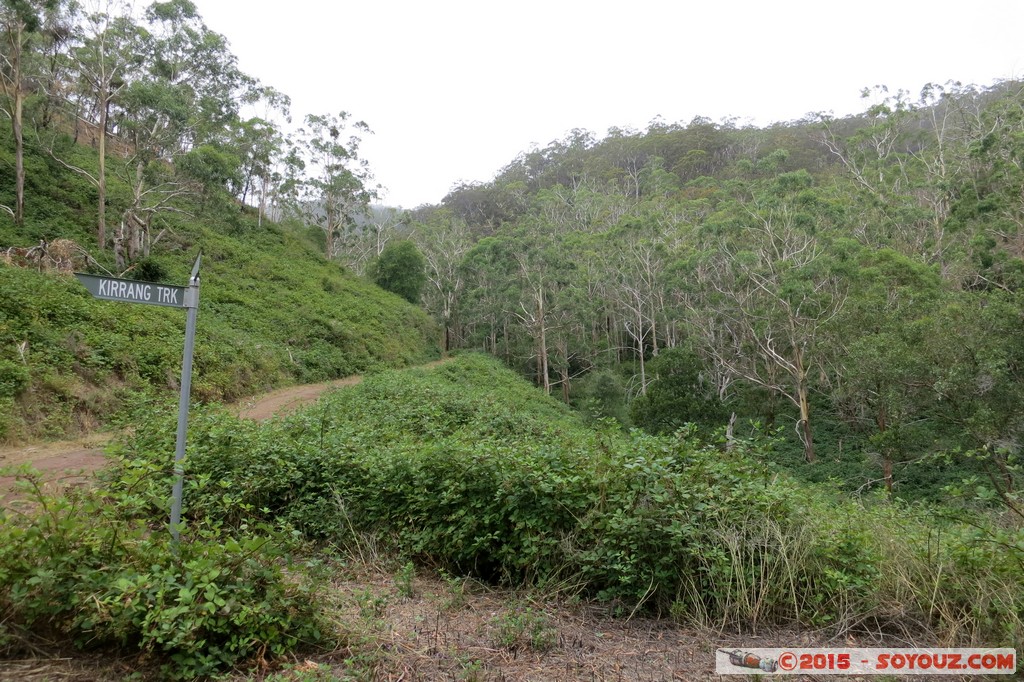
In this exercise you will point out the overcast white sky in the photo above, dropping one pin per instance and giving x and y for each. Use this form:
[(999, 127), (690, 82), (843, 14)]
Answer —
[(455, 89)]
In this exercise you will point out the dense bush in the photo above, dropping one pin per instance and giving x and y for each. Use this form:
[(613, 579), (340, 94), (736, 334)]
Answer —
[(81, 569), (467, 468), (677, 395), (601, 394), (400, 269)]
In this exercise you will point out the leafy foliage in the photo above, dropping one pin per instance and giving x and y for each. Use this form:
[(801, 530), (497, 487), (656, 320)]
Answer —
[(678, 395), (463, 467), (400, 269), (853, 281), (79, 568)]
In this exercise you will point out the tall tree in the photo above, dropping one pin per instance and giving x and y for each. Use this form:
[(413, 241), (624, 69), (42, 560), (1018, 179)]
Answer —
[(641, 261), (196, 64), (368, 236), (401, 270), (444, 239), (185, 100), (335, 190), (106, 62), (491, 296), (21, 22), (884, 383), (772, 287), (261, 145)]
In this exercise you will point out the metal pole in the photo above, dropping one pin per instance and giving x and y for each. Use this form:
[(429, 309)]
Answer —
[(192, 303)]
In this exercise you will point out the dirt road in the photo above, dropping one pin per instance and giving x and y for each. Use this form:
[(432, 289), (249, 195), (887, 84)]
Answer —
[(285, 400), (74, 462), (61, 463)]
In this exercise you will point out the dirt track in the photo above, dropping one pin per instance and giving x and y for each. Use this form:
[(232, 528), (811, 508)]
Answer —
[(61, 463), (73, 462), (285, 400)]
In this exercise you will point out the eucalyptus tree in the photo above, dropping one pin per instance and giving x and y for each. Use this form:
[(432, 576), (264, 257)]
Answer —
[(547, 305), (444, 239), (912, 161), (975, 351), (260, 145), (106, 60), (991, 210), (513, 305), (771, 285), (21, 38), (369, 234), (536, 288), (400, 269), (586, 334), (196, 64), (184, 100), (640, 262), (945, 160), (873, 154), (884, 379), (257, 139), (624, 151), (335, 189), (584, 206), (53, 75), (491, 294)]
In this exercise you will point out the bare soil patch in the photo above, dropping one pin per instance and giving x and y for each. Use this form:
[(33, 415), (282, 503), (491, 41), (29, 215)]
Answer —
[(401, 627), (61, 464), (434, 629), (286, 400)]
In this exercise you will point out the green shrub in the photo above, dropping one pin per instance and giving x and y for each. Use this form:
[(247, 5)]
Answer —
[(14, 378), (80, 568), (601, 394), (467, 468), (523, 628), (678, 395), (401, 269)]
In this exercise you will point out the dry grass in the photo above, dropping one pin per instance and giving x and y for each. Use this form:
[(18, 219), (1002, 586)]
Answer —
[(454, 629), (396, 625), (67, 668), (459, 629)]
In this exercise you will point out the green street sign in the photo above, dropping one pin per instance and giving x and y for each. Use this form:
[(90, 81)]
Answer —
[(132, 291), (151, 293)]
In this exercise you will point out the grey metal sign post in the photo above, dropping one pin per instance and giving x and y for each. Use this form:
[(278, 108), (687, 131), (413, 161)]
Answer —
[(192, 303), (151, 293)]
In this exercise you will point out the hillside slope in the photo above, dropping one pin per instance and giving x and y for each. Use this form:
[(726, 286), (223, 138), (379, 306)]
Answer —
[(272, 310)]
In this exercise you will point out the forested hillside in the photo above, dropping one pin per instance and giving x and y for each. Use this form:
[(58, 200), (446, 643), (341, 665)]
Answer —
[(854, 283), (834, 300), (851, 284), (128, 148)]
